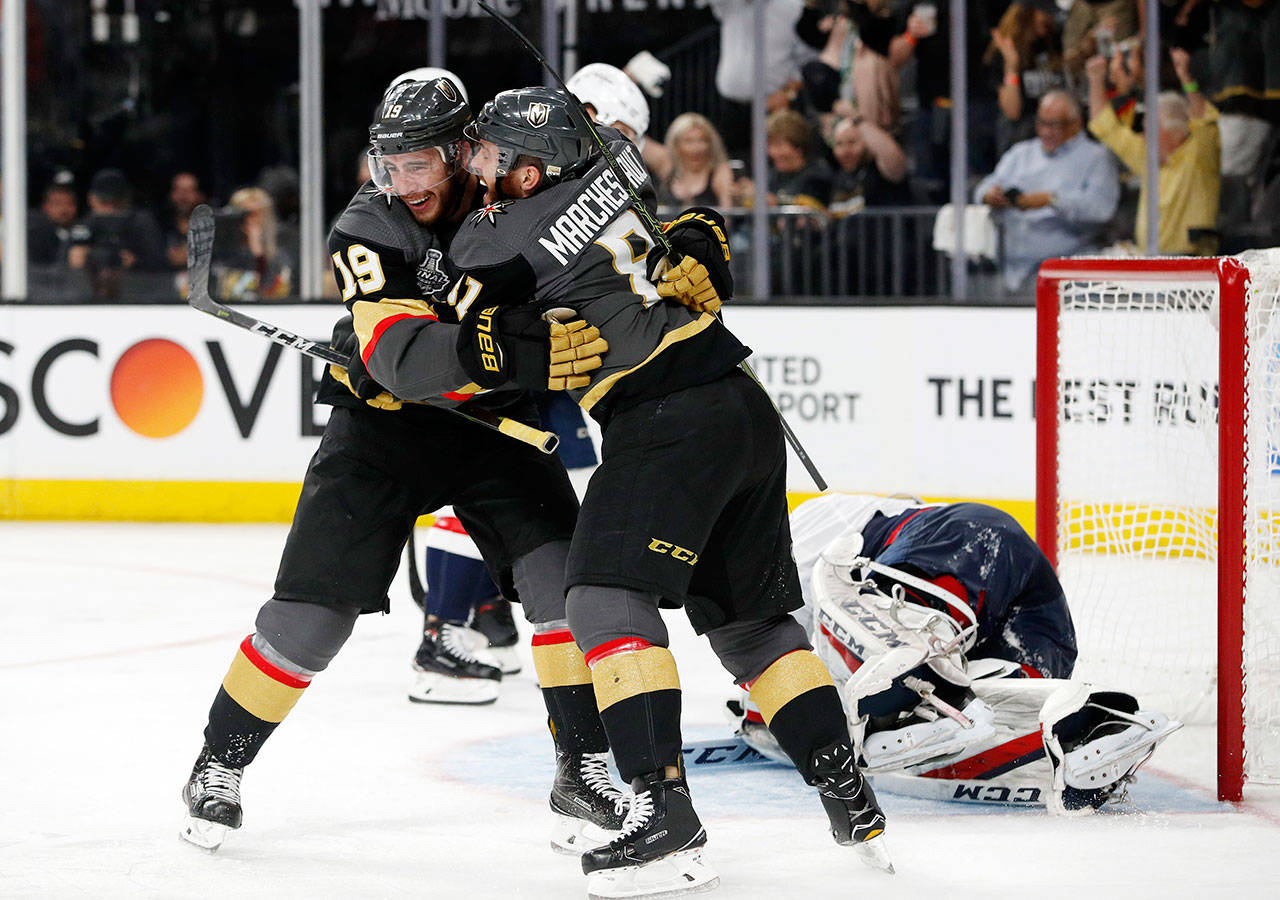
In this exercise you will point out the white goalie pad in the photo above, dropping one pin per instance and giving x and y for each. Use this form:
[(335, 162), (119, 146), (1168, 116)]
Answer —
[(935, 743), (855, 623)]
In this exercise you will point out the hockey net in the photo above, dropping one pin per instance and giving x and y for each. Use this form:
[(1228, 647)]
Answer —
[(1158, 485)]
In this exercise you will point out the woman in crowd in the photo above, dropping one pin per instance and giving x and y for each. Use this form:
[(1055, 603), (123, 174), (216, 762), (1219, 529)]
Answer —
[(696, 170)]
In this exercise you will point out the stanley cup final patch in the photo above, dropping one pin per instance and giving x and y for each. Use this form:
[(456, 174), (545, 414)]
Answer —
[(431, 274)]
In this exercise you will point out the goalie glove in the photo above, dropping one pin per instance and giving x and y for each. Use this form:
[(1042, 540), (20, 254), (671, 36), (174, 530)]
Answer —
[(703, 285), (538, 353), (355, 377)]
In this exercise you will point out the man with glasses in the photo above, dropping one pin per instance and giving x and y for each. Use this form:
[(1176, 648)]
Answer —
[(1054, 192)]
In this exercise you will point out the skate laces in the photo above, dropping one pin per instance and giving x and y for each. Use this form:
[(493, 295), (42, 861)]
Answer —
[(595, 775), (638, 817), (455, 643), (219, 781)]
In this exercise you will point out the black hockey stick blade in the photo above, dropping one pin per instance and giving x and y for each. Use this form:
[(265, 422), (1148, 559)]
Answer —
[(416, 590), (199, 258)]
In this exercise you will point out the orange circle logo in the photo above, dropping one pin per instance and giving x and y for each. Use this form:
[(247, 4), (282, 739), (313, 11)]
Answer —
[(156, 388)]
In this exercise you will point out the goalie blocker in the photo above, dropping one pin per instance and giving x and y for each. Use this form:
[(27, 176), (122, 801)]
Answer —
[(927, 720)]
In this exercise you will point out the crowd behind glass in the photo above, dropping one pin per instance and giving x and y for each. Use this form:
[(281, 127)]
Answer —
[(859, 111)]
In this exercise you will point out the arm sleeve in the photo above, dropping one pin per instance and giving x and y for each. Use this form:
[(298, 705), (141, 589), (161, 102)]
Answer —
[(1093, 199), (1004, 171), (410, 351), (1119, 139), (403, 343)]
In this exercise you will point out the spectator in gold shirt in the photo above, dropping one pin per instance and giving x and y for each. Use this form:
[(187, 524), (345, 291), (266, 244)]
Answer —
[(1189, 152)]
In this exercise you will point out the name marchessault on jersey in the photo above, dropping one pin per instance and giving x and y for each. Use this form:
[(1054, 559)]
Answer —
[(595, 207)]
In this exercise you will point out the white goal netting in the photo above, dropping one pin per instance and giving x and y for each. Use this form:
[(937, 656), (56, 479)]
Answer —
[(1137, 478)]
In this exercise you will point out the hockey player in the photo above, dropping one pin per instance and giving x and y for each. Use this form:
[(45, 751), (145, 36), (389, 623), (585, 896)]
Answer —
[(382, 462), (688, 506), (950, 636)]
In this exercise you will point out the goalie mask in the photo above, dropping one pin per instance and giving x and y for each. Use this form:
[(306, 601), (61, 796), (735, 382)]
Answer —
[(616, 98), (539, 122), (417, 116)]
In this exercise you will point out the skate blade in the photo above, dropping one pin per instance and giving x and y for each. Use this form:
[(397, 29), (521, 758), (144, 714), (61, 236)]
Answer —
[(203, 834), (428, 687), (570, 835), (676, 875), (875, 854)]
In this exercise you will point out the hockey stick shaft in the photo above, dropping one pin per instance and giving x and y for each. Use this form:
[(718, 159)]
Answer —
[(649, 221), (199, 258)]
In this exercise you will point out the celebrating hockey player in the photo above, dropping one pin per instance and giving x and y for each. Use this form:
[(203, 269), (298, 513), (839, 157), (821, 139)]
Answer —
[(688, 506), (950, 636), (382, 462)]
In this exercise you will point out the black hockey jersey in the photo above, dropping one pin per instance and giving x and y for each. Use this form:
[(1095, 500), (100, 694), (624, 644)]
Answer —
[(389, 269), (580, 244)]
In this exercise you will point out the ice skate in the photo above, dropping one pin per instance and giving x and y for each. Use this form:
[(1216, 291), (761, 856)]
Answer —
[(494, 621), (658, 853), (856, 818), (589, 809), (446, 670), (212, 796)]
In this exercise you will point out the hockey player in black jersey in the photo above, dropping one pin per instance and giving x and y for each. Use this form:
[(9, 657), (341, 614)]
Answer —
[(688, 507), (383, 462)]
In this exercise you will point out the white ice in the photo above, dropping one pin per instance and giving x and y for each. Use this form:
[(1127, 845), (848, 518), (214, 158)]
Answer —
[(117, 636)]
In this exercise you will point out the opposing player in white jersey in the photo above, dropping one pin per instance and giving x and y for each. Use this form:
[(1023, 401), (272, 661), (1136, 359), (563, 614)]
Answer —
[(949, 636)]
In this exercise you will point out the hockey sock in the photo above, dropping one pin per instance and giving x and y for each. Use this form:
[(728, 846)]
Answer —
[(455, 584), (254, 698), (567, 690), (801, 706), (638, 691)]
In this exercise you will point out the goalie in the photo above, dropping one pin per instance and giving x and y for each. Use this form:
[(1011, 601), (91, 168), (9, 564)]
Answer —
[(949, 636)]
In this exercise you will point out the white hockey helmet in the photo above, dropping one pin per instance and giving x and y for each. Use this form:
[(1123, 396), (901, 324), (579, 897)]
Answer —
[(616, 98), (426, 73)]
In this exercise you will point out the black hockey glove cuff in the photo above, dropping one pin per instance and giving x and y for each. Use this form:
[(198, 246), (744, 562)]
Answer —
[(698, 232), (516, 344), (355, 376)]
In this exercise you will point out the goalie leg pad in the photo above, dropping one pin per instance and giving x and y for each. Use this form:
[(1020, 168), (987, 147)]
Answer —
[(936, 742)]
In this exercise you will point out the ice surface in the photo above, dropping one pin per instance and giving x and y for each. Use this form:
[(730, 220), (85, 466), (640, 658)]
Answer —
[(116, 637)]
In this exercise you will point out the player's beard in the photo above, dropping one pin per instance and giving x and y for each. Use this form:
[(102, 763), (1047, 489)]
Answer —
[(444, 201)]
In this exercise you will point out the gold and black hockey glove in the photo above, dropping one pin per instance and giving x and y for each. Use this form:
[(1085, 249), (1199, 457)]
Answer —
[(706, 282), (516, 344), (355, 376)]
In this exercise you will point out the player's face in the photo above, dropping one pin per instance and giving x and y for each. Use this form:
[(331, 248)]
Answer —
[(422, 179), (483, 161)]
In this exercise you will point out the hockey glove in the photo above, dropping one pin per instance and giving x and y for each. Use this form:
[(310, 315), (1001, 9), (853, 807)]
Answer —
[(355, 376), (515, 344), (698, 233)]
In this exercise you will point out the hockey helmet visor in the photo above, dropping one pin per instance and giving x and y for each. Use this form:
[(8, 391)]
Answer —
[(540, 122), (417, 140)]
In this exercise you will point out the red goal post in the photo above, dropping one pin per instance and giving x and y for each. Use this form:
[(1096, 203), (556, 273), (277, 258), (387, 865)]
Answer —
[(1131, 376)]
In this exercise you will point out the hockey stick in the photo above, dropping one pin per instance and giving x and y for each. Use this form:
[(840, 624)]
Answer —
[(200, 256), (650, 222)]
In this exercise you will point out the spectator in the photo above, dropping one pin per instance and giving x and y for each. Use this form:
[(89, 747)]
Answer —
[(184, 196), (1189, 154), (51, 228), (874, 78), (1244, 58), (116, 238), (1092, 28), (697, 169), (254, 268), (871, 169), (1025, 62), (796, 176), (928, 39), (1055, 191), (738, 70)]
